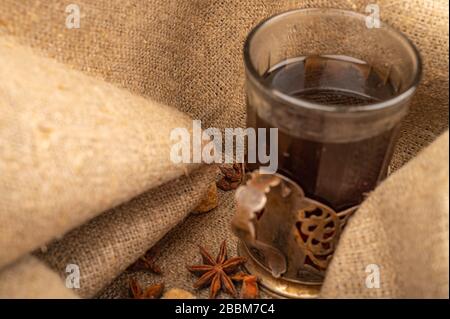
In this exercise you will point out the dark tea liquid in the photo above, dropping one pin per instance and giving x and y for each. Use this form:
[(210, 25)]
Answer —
[(337, 174)]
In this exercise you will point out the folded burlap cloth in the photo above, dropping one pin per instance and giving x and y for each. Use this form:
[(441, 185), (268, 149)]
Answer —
[(85, 175)]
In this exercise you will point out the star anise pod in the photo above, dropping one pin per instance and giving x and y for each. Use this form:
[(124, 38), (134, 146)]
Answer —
[(232, 177), (148, 262), (151, 292), (216, 273)]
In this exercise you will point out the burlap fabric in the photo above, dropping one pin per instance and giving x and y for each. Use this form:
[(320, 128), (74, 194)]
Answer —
[(406, 238), (72, 146), (49, 148), (30, 278), (188, 55), (104, 247)]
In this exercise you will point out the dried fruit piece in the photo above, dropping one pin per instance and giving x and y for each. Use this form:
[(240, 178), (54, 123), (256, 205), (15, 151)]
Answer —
[(177, 293), (250, 288), (153, 292), (209, 202)]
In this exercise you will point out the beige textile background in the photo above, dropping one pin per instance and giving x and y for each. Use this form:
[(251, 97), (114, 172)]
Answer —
[(70, 149), (187, 54), (31, 278), (402, 228), (105, 246)]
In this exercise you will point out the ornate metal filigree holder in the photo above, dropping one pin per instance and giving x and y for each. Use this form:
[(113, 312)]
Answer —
[(288, 238)]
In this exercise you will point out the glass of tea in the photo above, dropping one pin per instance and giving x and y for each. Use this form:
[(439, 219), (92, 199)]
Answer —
[(336, 84)]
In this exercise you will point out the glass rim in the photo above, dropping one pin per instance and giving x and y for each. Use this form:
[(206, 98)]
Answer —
[(286, 98)]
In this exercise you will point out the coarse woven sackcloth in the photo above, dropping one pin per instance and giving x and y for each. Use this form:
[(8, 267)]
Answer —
[(105, 246), (72, 146), (188, 54), (400, 232), (30, 278)]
